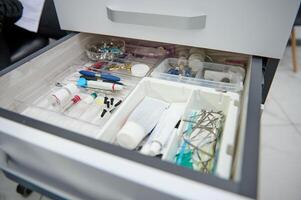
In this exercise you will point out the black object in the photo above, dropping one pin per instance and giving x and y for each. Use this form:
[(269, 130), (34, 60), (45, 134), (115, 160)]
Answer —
[(23, 191), (4, 53), (20, 43), (105, 100), (10, 12), (49, 26), (115, 82), (159, 156), (108, 104), (112, 110), (112, 101), (115, 106), (89, 78), (269, 67), (298, 18), (104, 111), (118, 103), (178, 124)]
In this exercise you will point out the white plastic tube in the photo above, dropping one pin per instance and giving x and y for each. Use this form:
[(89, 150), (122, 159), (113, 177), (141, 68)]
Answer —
[(61, 96), (164, 129), (104, 85), (141, 121)]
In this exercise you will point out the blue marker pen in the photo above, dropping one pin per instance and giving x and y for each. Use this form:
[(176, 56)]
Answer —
[(104, 76)]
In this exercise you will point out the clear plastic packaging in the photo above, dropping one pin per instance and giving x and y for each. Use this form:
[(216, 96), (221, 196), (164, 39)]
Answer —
[(144, 51), (119, 56), (123, 67), (106, 49), (218, 76)]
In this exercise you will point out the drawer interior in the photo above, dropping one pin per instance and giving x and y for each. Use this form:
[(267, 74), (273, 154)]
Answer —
[(26, 90)]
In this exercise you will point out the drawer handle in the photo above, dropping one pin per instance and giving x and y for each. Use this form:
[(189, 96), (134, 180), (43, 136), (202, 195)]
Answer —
[(127, 16)]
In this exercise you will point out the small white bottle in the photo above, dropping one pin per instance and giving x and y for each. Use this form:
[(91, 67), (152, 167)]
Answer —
[(140, 122), (60, 97)]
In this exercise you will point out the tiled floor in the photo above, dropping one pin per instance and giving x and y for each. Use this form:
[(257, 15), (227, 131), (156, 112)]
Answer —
[(280, 162), (280, 150)]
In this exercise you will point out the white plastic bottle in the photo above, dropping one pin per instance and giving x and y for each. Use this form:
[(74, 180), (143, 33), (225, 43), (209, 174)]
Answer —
[(60, 97), (141, 121), (162, 132)]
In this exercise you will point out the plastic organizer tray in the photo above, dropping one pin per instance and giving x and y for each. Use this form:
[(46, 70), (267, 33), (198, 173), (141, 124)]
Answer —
[(123, 57), (86, 120), (121, 67), (218, 76)]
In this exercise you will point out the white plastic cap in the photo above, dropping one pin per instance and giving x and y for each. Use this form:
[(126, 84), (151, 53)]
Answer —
[(139, 70), (130, 135), (195, 64), (71, 88), (145, 149), (155, 148)]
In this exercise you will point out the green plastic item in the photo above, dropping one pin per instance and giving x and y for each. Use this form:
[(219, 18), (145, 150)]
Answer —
[(186, 159)]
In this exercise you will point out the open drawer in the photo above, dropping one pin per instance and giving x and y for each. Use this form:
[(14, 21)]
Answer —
[(71, 164)]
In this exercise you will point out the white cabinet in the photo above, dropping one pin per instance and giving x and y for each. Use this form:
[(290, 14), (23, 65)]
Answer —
[(251, 27)]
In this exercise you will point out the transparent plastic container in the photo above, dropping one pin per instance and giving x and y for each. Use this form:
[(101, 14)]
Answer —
[(218, 76), (145, 51), (121, 67), (81, 117), (106, 49), (136, 61)]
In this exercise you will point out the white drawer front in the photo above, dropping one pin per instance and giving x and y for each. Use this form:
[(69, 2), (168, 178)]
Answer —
[(252, 27), (80, 172)]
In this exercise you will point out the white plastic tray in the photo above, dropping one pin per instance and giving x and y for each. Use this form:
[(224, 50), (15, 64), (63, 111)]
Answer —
[(215, 101), (195, 97)]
